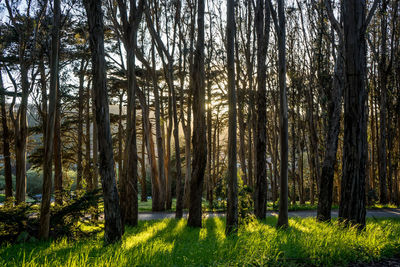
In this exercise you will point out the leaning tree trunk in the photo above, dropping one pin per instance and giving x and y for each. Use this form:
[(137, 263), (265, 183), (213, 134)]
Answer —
[(199, 125), (113, 225), (51, 118), (328, 166)]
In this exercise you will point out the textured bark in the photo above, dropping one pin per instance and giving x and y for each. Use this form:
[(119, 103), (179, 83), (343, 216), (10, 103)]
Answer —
[(328, 166), (113, 224), (21, 135), (159, 140), (283, 116), (262, 31), (80, 125), (143, 195), (383, 190), (87, 171), (232, 201), (6, 144), (58, 152), (352, 197), (130, 18), (199, 138), (51, 118)]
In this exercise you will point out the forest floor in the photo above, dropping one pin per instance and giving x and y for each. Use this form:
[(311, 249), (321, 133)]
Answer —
[(170, 242)]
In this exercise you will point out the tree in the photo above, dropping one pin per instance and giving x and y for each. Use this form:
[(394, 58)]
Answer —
[(6, 143), (112, 213), (199, 124), (334, 113), (232, 211), (51, 118), (130, 19), (280, 28), (352, 197)]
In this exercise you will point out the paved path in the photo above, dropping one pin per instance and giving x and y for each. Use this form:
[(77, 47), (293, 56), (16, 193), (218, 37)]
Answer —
[(376, 213)]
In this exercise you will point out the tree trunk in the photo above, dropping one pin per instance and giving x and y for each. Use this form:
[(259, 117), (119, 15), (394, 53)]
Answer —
[(113, 225), (51, 118), (232, 202), (283, 197), (383, 193), (88, 172), (352, 197), (80, 126), (6, 146), (199, 138), (58, 152), (262, 28), (328, 166), (21, 135)]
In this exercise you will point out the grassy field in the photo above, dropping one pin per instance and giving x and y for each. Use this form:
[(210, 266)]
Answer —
[(170, 243)]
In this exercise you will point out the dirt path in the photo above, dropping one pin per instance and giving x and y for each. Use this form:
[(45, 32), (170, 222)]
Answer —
[(375, 213)]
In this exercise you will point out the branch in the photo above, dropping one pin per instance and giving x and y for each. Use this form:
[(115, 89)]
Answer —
[(370, 14), (332, 19)]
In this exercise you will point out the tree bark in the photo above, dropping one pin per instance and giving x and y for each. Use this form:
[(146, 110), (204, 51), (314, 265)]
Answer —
[(6, 145), (113, 224), (383, 191), (352, 197), (232, 202), (51, 118), (262, 30), (199, 138), (283, 197), (328, 166)]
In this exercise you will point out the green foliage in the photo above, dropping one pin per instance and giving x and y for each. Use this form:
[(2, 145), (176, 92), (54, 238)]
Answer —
[(21, 223), (245, 203), (170, 243)]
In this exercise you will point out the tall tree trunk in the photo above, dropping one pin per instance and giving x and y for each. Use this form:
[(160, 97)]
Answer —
[(352, 197), (80, 125), (21, 135), (6, 145), (328, 166), (383, 193), (159, 140), (88, 172), (113, 224), (48, 151), (199, 124), (232, 203), (262, 28), (58, 152), (283, 197)]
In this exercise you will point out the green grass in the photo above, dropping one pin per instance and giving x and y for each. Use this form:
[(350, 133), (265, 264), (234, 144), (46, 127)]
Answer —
[(171, 243)]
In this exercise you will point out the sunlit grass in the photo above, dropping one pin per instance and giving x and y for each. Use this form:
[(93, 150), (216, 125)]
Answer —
[(170, 242)]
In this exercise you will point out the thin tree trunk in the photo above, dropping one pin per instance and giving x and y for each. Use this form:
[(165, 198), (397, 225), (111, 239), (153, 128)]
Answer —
[(6, 146), (51, 118), (283, 197), (232, 202), (58, 190)]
